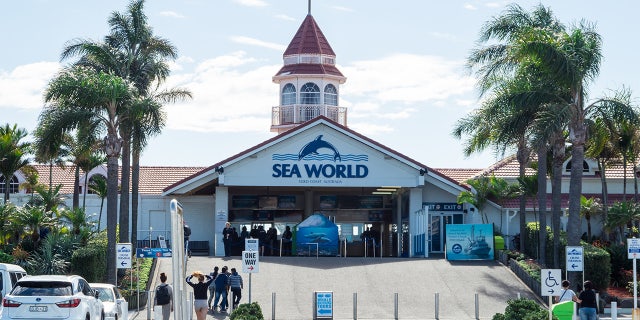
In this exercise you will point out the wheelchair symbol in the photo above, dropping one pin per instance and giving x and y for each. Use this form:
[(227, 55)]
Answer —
[(550, 281)]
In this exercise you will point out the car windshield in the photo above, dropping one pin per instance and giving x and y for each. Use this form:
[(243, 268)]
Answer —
[(105, 294), (42, 288)]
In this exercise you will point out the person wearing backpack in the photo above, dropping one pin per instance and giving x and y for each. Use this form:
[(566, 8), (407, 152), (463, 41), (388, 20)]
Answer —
[(164, 297), (222, 287)]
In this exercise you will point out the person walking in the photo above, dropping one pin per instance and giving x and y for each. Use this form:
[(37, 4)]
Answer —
[(212, 286), (235, 282), (566, 294), (200, 293), (164, 297), (587, 301), (227, 234), (222, 284), (286, 241)]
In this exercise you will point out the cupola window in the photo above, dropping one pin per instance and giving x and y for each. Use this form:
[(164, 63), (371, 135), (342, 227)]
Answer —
[(14, 186), (288, 95), (330, 95), (310, 94)]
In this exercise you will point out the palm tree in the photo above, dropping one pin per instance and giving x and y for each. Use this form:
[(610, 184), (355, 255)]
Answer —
[(77, 94), (622, 214), (34, 218), (31, 179), (7, 211), (49, 145), (48, 198), (589, 207), (98, 185), (13, 154), (89, 162)]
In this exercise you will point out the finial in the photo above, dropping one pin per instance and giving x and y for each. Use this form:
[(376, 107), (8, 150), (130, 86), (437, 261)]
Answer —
[(309, 10)]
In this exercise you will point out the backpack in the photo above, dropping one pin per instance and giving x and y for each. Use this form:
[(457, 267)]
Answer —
[(162, 295), (187, 230)]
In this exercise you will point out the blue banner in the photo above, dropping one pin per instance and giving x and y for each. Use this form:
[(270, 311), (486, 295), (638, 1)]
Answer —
[(153, 253), (469, 242)]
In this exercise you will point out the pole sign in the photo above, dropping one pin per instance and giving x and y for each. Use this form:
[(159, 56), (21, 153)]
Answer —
[(153, 253), (123, 255), (633, 248), (251, 244), (323, 305), (550, 280), (575, 258), (250, 262)]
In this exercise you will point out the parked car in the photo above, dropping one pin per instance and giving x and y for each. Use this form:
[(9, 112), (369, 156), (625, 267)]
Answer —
[(52, 297), (112, 300), (9, 275)]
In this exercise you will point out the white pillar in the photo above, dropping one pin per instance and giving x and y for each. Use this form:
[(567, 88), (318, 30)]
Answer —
[(415, 204), (221, 217)]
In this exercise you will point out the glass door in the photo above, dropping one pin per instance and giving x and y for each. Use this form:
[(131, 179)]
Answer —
[(437, 231)]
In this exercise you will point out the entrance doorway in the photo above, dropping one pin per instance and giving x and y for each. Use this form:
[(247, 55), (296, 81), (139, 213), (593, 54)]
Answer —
[(438, 230)]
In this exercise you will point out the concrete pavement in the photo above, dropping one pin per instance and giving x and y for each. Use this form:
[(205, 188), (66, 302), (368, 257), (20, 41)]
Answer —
[(375, 281)]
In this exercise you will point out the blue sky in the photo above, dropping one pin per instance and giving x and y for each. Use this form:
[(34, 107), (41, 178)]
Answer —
[(406, 83)]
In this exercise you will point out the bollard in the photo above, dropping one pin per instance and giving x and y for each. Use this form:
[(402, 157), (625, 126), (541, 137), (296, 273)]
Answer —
[(149, 304), (395, 307), (437, 298), (614, 310), (477, 307), (355, 306), (518, 295), (273, 305)]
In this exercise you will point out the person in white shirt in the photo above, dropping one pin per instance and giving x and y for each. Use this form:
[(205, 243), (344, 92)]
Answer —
[(566, 294)]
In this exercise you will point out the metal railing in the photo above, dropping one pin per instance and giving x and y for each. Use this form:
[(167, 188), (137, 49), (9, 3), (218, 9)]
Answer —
[(299, 113)]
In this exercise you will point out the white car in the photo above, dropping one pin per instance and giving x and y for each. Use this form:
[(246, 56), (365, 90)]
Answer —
[(112, 300), (52, 297)]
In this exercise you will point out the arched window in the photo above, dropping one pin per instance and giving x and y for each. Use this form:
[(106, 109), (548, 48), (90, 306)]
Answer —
[(585, 166), (14, 186), (330, 95), (93, 180), (288, 95), (310, 94)]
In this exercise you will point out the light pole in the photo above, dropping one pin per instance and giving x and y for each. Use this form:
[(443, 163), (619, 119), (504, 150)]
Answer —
[(150, 230)]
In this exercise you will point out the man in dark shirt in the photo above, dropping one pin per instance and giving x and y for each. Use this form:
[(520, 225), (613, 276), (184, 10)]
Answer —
[(227, 234)]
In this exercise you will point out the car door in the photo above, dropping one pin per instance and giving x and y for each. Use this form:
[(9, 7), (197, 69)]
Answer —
[(93, 303)]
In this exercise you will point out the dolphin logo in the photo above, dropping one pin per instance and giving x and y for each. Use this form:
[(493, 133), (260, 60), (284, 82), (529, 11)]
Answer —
[(313, 146)]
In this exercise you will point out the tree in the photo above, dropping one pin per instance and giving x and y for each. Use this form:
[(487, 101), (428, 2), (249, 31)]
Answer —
[(13, 154), (622, 214), (133, 52), (483, 189), (77, 94), (98, 185), (589, 207)]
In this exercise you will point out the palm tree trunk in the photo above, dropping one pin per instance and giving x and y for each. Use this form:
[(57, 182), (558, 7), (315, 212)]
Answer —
[(605, 196), (76, 188), (522, 155), (113, 145), (135, 186), (579, 134), (556, 195), (542, 203), (124, 189)]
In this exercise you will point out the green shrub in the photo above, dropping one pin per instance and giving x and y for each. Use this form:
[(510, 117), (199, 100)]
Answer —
[(6, 258), (525, 309), (91, 261), (597, 266), (619, 262), (247, 311)]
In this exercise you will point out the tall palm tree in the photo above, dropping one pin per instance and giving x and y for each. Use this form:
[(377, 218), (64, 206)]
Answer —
[(13, 154), (589, 207), (98, 185), (91, 161), (79, 93), (133, 52), (49, 145)]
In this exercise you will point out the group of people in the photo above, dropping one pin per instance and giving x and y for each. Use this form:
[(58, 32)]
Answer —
[(214, 286), (267, 239), (586, 298)]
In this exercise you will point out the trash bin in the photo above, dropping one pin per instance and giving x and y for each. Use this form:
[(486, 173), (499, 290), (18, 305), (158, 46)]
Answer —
[(498, 243), (563, 310)]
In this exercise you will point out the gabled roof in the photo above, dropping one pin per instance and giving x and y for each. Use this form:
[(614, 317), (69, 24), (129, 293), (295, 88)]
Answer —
[(316, 121), (309, 40)]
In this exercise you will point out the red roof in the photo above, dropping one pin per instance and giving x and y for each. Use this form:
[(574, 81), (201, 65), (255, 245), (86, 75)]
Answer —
[(308, 68), (309, 40)]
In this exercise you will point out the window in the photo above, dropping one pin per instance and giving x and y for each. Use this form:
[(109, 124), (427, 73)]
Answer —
[(13, 185), (288, 94), (310, 94), (585, 166), (330, 95)]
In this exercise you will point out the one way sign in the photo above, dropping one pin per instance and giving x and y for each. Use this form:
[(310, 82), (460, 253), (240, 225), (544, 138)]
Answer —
[(250, 262)]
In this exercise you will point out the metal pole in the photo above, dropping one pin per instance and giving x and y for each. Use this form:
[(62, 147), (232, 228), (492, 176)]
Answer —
[(614, 310), (395, 306), (273, 306), (137, 283), (281, 247), (477, 307), (149, 305), (249, 287), (437, 298), (355, 306), (380, 248)]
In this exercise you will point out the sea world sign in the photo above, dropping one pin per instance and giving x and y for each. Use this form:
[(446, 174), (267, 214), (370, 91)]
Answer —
[(319, 162)]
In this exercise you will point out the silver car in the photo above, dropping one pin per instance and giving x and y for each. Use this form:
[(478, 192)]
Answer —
[(52, 297), (112, 300)]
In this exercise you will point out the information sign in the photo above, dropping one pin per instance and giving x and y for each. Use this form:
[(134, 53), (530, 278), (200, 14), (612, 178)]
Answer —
[(251, 245), (575, 258), (323, 305), (633, 248), (550, 280), (153, 253), (123, 255), (250, 262)]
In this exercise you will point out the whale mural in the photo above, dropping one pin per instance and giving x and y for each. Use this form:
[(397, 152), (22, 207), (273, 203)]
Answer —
[(317, 230)]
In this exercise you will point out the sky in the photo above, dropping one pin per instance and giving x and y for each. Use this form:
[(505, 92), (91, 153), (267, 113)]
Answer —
[(404, 62)]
